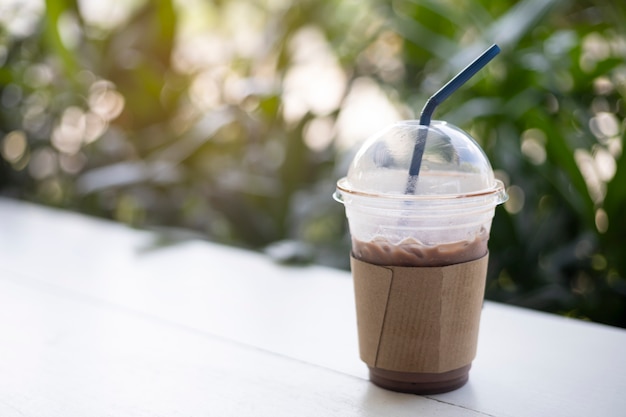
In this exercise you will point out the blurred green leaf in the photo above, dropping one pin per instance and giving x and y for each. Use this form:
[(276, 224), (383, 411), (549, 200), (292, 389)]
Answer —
[(186, 116)]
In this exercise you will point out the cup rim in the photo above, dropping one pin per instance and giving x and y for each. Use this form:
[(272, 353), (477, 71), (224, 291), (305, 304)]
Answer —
[(498, 190)]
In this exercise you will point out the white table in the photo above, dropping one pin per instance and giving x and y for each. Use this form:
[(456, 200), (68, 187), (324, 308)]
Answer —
[(97, 321)]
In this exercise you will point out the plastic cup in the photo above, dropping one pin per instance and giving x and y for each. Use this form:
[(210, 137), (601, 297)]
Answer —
[(419, 261)]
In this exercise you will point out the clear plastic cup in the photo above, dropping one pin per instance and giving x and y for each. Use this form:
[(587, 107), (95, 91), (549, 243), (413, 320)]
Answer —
[(446, 221)]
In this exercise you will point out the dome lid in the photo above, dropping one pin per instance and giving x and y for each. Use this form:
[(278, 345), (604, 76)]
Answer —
[(453, 164)]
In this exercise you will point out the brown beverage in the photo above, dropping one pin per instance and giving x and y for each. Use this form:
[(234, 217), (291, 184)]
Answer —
[(410, 253), (419, 256)]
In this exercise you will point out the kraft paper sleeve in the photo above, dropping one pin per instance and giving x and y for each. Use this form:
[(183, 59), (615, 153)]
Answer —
[(419, 319)]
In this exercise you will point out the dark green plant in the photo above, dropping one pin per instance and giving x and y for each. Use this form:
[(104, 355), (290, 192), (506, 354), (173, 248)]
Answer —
[(138, 123), (550, 116)]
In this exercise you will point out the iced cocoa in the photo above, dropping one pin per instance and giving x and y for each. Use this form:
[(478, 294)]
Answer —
[(419, 252)]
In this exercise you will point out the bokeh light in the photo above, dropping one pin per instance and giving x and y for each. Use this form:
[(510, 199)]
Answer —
[(235, 119)]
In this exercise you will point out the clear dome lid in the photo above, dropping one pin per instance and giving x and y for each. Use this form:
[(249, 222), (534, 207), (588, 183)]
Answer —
[(453, 164)]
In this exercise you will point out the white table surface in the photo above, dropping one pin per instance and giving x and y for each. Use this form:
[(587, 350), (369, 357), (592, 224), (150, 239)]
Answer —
[(97, 321)]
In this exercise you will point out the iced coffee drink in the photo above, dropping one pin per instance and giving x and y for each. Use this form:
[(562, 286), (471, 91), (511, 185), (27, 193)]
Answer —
[(419, 260)]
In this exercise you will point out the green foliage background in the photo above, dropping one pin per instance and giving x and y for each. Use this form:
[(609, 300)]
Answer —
[(140, 122)]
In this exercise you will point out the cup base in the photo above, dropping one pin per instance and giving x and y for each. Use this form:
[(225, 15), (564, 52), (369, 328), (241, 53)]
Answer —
[(420, 383)]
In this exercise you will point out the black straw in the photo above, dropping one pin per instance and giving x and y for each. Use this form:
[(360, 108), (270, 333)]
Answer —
[(432, 103)]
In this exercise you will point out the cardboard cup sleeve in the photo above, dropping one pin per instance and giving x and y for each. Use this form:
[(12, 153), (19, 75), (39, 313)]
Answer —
[(419, 319)]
